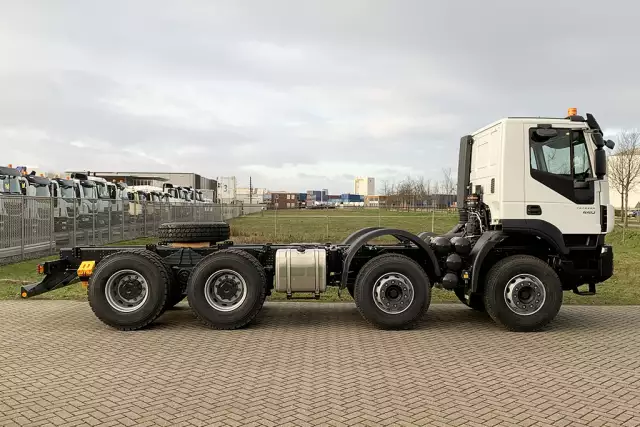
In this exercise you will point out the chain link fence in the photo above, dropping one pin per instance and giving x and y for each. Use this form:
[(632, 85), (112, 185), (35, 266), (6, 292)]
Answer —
[(32, 227)]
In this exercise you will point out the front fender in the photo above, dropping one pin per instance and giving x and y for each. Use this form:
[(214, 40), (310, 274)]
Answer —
[(401, 235), (483, 246)]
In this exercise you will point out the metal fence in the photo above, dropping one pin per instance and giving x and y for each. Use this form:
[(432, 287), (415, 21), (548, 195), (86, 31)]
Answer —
[(32, 227)]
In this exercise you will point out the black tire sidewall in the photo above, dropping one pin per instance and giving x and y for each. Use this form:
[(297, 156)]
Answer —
[(374, 269), (219, 261), (497, 280), (156, 284)]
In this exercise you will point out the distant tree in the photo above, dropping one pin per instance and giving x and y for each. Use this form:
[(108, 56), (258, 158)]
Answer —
[(624, 167)]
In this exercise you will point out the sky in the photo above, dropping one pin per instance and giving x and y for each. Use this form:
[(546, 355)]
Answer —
[(299, 94)]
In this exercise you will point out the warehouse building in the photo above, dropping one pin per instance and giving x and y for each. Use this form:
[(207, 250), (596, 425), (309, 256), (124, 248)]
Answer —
[(186, 179), (365, 186)]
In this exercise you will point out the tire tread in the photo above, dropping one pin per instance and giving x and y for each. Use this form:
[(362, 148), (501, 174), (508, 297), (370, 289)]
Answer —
[(162, 268), (262, 296), (383, 259), (194, 232), (495, 270)]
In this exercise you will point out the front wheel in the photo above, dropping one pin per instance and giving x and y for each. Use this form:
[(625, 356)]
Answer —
[(522, 293), (392, 291)]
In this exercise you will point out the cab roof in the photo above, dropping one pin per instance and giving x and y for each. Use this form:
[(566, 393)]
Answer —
[(9, 171)]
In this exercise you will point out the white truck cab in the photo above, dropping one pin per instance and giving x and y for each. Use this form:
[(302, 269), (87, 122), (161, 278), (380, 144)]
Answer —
[(537, 171)]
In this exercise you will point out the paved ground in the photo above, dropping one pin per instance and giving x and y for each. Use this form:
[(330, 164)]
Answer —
[(318, 364)]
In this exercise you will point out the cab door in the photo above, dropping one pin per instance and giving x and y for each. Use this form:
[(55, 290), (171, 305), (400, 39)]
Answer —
[(559, 185)]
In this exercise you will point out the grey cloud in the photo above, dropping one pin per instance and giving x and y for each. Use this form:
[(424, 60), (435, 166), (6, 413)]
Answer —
[(254, 87)]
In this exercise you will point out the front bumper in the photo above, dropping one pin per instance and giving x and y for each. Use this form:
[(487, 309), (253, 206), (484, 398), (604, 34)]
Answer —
[(605, 264)]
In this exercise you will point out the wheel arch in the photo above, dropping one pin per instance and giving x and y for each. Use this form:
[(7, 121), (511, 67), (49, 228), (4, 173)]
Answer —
[(401, 235), (356, 234), (523, 242)]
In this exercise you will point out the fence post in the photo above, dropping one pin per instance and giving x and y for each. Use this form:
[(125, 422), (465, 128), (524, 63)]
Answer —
[(327, 236), (109, 235), (75, 221), (122, 221), (145, 206), (93, 217), (433, 219), (275, 223), (52, 243), (22, 232)]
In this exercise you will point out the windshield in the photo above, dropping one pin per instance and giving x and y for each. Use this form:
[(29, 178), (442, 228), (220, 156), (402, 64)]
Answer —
[(10, 184), (67, 192), (42, 191), (90, 193), (103, 193)]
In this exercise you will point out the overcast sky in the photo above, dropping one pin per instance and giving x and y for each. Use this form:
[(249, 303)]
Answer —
[(299, 94)]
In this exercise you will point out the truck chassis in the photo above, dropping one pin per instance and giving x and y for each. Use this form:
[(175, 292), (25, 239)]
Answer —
[(226, 284)]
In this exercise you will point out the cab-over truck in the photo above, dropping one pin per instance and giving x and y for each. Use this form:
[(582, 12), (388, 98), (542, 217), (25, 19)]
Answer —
[(533, 215)]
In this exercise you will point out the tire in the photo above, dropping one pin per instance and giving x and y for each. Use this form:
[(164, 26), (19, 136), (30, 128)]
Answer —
[(538, 273), (476, 301), (399, 270), (194, 232), (145, 270), (245, 278)]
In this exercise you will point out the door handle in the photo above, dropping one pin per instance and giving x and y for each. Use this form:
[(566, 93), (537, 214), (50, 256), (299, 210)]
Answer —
[(534, 210)]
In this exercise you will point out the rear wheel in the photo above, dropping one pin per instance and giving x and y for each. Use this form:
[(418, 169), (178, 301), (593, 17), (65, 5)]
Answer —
[(392, 292), (128, 290), (227, 289), (522, 293)]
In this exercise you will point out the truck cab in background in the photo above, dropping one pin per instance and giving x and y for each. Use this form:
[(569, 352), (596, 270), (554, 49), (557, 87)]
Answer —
[(10, 208)]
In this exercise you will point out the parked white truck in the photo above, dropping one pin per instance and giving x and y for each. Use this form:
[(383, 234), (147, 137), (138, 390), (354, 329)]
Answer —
[(534, 212)]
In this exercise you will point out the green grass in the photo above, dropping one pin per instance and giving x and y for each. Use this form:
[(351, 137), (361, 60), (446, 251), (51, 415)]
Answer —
[(334, 225)]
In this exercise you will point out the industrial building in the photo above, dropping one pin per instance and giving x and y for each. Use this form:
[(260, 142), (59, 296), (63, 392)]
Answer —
[(250, 196), (186, 179), (283, 200), (317, 196), (227, 186), (365, 186)]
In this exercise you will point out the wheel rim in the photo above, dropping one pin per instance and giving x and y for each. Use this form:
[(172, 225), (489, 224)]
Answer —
[(126, 291), (525, 294), (393, 293), (225, 290)]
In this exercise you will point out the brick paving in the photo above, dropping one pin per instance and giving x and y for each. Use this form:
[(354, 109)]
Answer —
[(317, 364)]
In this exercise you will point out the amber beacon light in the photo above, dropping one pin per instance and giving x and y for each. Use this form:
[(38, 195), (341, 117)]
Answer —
[(572, 112)]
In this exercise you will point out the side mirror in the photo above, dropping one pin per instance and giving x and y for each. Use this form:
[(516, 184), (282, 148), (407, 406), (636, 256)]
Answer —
[(610, 144), (546, 132), (601, 163), (598, 140)]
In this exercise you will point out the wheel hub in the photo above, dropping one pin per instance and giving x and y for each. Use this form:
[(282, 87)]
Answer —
[(225, 290), (393, 293), (525, 294), (126, 291), (130, 288)]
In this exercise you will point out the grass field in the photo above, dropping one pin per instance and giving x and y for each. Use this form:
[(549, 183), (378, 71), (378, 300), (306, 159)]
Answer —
[(335, 225)]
